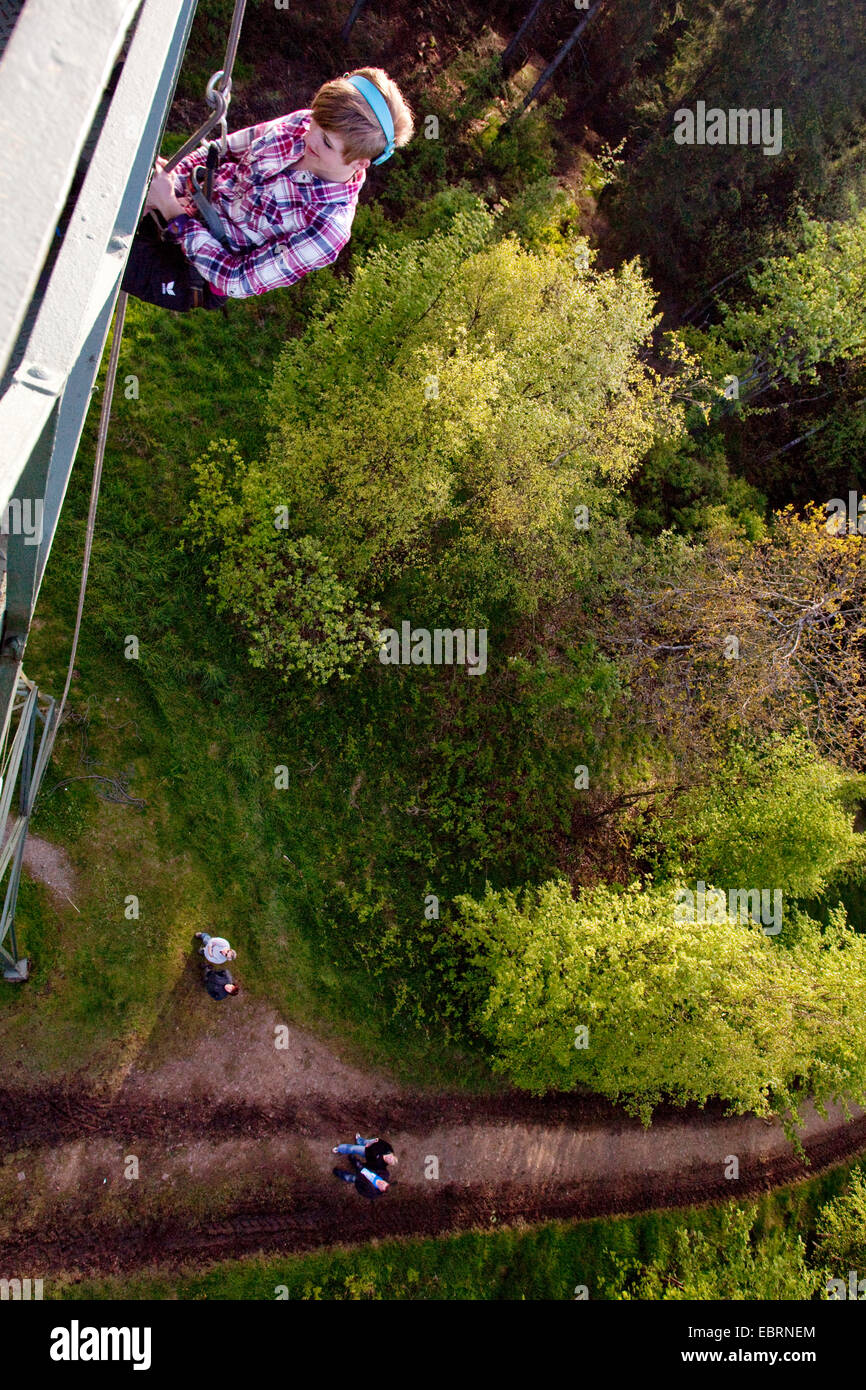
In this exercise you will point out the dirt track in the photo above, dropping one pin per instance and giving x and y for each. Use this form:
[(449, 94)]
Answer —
[(501, 1159), (233, 1135)]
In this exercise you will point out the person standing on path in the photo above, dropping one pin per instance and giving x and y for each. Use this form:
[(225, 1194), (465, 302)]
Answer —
[(220, 983), (215, 949)]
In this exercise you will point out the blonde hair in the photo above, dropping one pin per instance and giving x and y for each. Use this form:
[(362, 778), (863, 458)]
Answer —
[(339, 108)]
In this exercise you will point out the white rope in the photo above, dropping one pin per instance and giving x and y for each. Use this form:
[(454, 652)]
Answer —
[(102, 438)]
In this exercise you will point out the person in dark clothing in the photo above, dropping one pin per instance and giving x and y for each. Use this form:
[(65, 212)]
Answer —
[(219, 983), (376, 1153), (379, 1156), (372, 1160)]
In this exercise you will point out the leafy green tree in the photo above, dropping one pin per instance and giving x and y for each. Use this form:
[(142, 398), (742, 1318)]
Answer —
[(297, 613), (457, 404), (686, 483), (677, 1011), (841, 1228), (775, 815), (511, 381), (703, 213), (544, 214), (811, 305)]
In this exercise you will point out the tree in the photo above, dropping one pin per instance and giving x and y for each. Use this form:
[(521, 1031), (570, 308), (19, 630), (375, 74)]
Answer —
[(734, 637), (673, 1011), (297, 612), (704, 212), (453, 408), (841, 1228), (811, 305), (774, 814)]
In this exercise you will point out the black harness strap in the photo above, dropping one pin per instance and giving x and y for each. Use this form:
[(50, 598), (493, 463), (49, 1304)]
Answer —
[(202, 196)]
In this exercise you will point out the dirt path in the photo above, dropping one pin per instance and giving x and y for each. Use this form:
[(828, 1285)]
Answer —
[(48, 864), (232, 1143)]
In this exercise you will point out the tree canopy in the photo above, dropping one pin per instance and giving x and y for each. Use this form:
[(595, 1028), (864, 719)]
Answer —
[(672, 1011), (456, 405)]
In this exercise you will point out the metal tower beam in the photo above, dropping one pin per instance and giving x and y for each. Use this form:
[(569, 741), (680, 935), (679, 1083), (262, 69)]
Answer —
[(19, 759), (58, 293), (54, 69), (87, 271)]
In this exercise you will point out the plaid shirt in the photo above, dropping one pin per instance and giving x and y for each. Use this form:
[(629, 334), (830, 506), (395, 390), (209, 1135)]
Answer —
[(280, 223)]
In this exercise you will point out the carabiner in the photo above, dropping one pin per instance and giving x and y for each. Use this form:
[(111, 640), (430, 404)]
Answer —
[(213, 91)]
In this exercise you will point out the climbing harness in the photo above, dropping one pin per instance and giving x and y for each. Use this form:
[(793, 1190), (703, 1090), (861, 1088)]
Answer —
[(202, 196)]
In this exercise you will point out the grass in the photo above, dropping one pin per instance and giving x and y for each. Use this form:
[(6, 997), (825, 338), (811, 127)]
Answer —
[(191, 732)]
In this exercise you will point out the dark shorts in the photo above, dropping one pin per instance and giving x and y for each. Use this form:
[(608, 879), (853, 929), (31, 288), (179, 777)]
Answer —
[(159, 273)]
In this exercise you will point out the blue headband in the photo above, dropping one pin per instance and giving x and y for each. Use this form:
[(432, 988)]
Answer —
[(373, 97)]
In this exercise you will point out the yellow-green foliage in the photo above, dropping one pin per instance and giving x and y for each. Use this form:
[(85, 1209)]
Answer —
[(810, 304), (774, 814), (518, 381), (733, 1264), (841, 1227), (682, 1011)]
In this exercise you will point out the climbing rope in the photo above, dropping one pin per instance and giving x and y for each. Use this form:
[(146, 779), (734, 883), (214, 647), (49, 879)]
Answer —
[(218, 94), (102, 438)]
